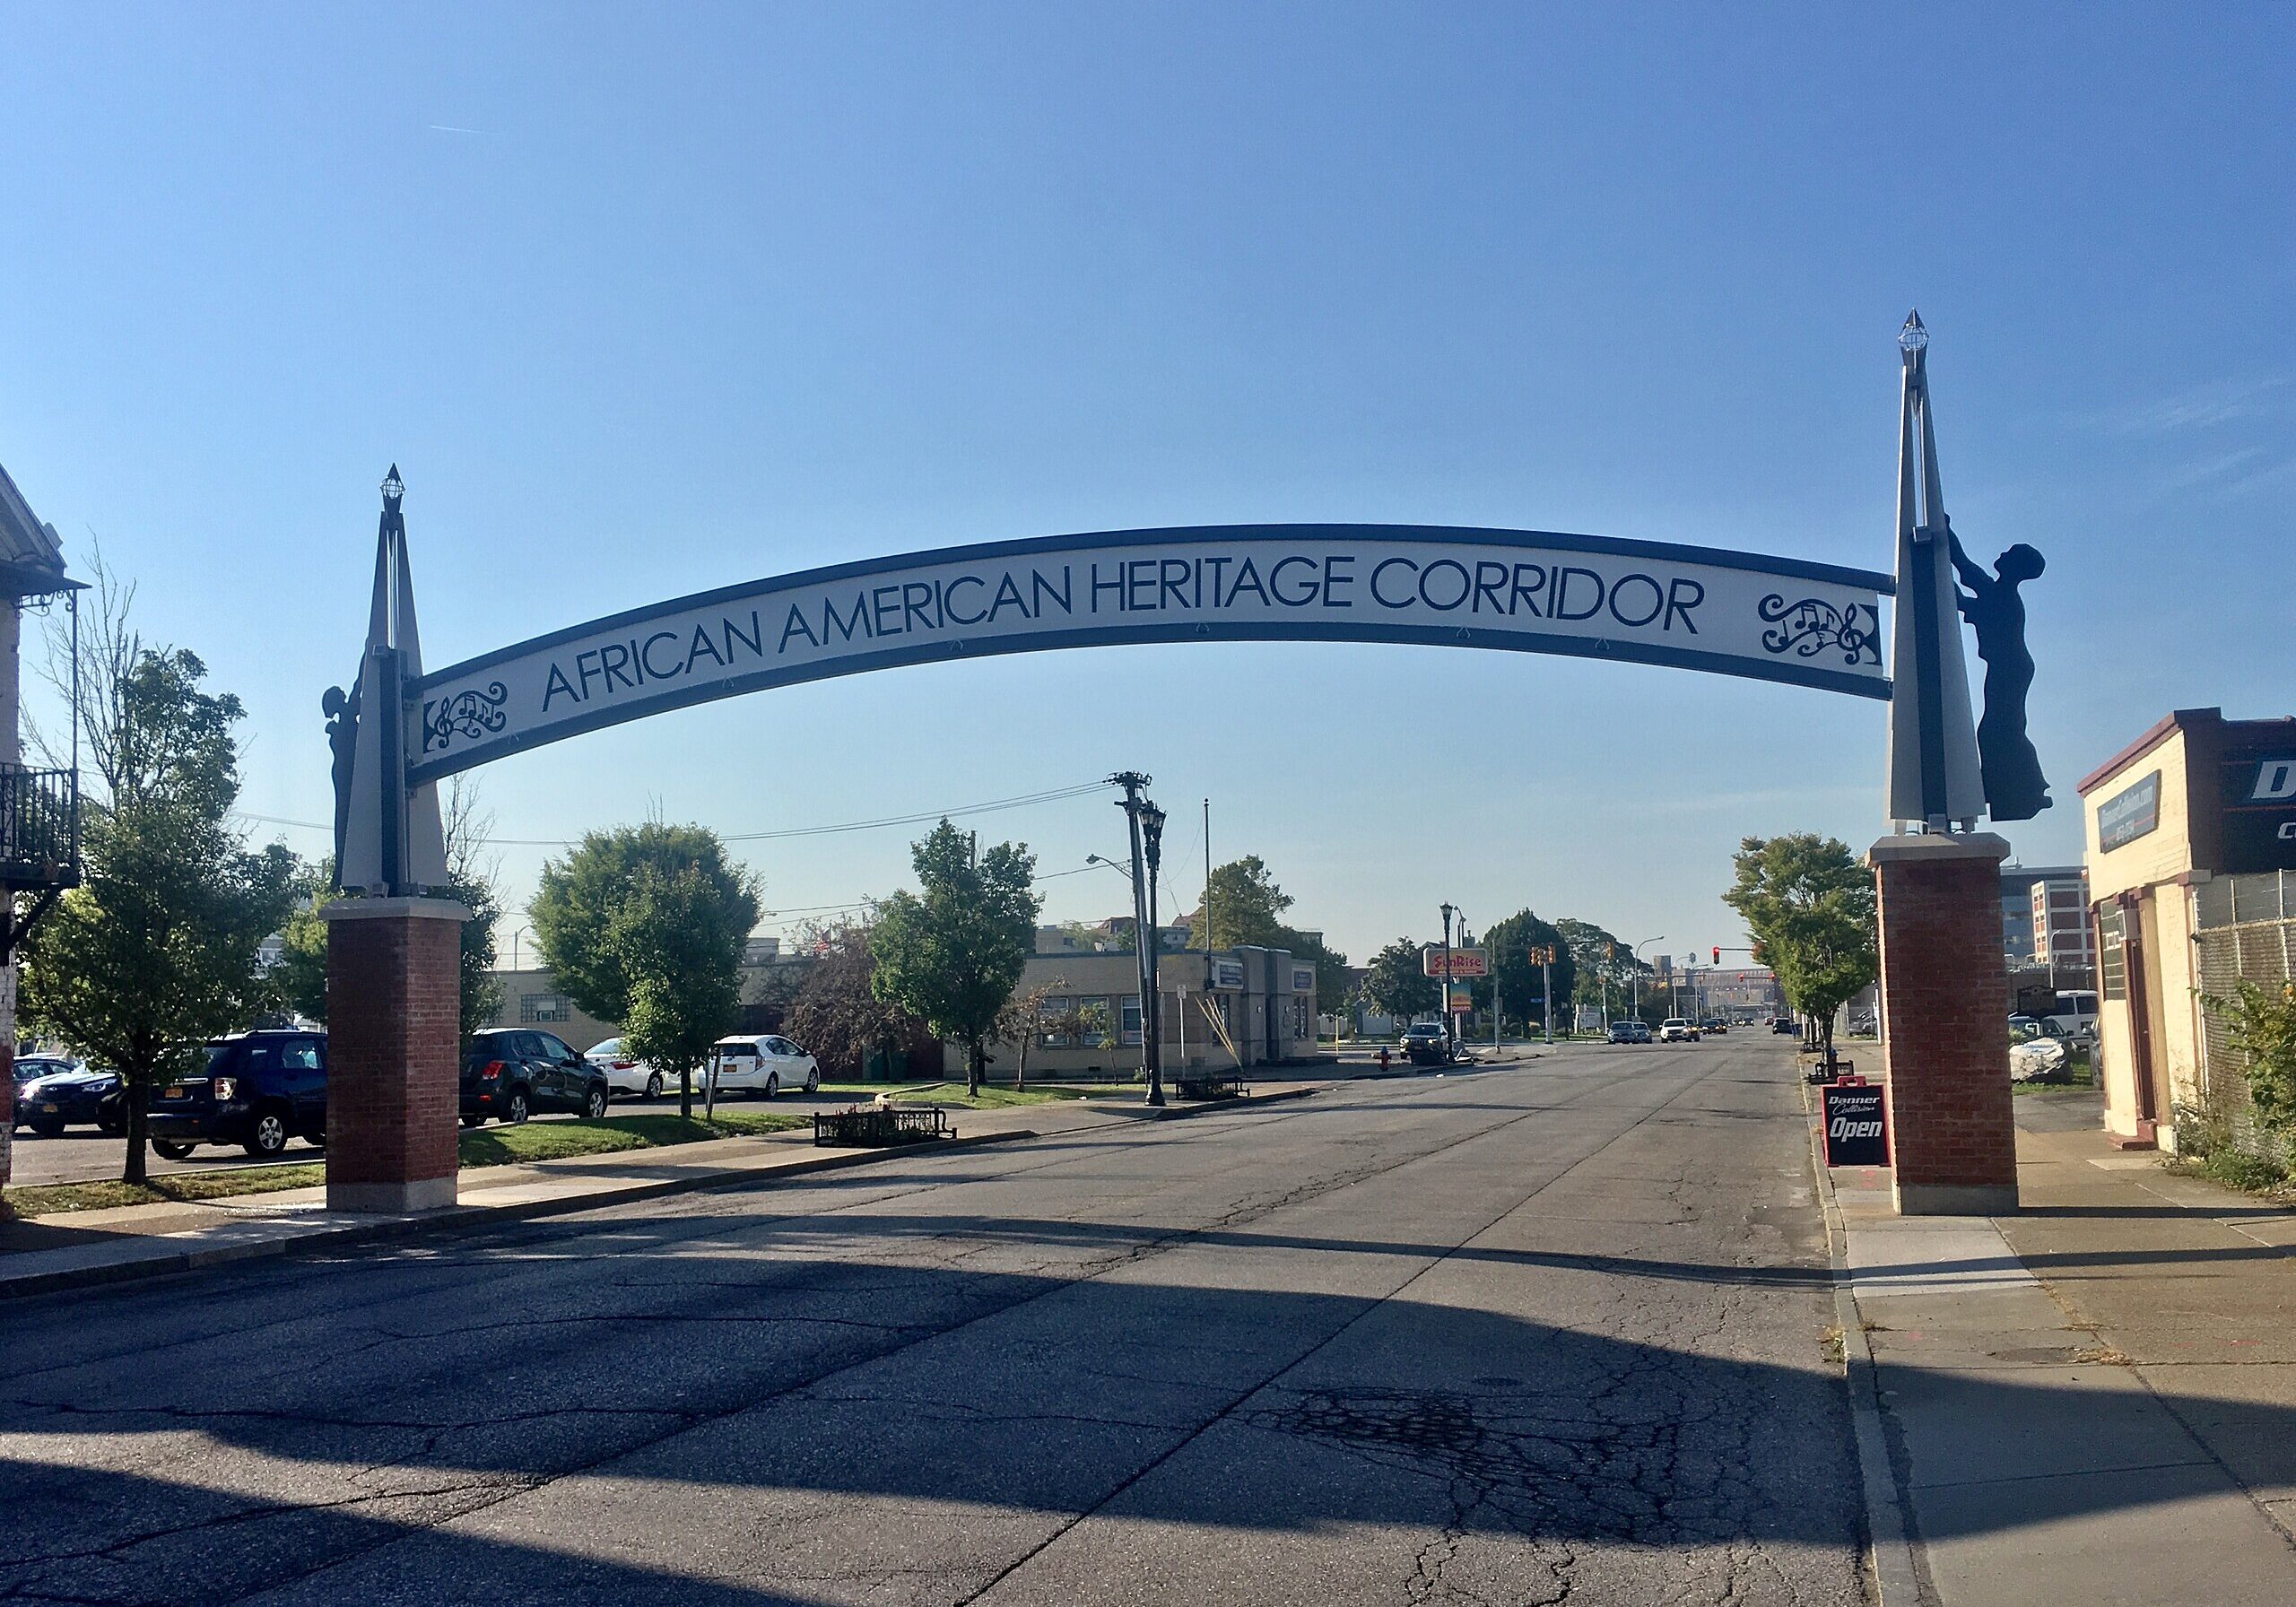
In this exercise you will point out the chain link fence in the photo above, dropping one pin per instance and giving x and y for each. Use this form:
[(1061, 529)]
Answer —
[(2248, 933)]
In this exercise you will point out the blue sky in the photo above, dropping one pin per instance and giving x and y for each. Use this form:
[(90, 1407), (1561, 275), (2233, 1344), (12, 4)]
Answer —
[(647, 303)]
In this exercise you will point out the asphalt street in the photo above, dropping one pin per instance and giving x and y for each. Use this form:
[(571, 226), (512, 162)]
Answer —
[(1536, 1333)]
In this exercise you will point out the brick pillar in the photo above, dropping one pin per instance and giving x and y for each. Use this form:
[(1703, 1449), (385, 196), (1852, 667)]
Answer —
[(393, 1017), (1945, 1024)]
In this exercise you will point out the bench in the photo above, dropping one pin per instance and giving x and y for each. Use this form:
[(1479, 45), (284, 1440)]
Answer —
[(1209, 1085), (873, 1127)]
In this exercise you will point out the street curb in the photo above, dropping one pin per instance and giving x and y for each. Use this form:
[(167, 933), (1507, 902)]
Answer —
[(461, 1216), (474, 1215), (1896, 1571)]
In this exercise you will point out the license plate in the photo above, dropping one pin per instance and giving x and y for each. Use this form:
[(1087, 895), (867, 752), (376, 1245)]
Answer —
[(175, 1091), (50, 1109)]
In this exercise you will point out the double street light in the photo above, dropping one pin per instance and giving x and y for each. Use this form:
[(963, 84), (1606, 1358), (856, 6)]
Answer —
[(1146, 825)]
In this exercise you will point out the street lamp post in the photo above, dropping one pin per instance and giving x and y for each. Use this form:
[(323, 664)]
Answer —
[(1450, 1031), (1143, 939), (1635, 977)]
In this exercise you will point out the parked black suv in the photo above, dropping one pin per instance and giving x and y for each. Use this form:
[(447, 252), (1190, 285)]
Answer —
[(258, 1089), (510, 1072)]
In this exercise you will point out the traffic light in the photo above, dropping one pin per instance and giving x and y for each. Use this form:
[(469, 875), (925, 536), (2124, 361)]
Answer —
[(1718, 954)]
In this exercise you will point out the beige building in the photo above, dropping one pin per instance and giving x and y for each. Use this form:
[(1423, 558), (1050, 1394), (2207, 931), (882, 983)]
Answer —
[(1237, 1008), (2191, 830), (531, 997)]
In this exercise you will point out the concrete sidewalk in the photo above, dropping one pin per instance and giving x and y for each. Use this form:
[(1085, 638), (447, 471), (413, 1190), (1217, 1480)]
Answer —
[(2093, 1401), (81, 1248)]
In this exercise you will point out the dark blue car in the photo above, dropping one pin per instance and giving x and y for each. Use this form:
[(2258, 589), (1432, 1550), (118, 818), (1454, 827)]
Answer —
[(258, 1091), (53, 1093)]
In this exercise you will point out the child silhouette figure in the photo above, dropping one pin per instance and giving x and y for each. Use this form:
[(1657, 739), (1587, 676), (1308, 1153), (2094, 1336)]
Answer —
[(2014, 788)]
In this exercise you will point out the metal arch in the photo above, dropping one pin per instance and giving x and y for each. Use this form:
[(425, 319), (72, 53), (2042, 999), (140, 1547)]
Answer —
[(476, 688)]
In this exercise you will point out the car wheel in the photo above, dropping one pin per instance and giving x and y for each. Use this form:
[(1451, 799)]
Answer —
[(472, 1119), (110, 1123), (595, 1107), (268, 1136), (653, 1085), (813, 1081), (772, 1084), (517, 1111), (171, 1148)]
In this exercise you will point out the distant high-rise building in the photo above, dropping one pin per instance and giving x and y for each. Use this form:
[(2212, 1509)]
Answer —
[(2017, 885)]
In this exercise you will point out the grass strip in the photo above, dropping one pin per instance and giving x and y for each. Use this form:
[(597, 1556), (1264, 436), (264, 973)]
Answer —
[(478, 1147)]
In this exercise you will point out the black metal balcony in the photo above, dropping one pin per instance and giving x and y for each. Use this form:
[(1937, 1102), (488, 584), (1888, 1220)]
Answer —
[(39, 828)]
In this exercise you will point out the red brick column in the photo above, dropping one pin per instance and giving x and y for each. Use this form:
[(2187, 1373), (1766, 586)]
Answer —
[(394, 1017), (1945, 1024)]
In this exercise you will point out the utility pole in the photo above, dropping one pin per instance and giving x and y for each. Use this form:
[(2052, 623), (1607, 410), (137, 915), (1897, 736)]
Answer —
[(1451, 1026), (1143, 939), (1152, 835)]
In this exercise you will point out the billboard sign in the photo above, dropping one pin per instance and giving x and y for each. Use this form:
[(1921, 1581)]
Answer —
[(1465, 963), (1462, 999), (2129, 813)]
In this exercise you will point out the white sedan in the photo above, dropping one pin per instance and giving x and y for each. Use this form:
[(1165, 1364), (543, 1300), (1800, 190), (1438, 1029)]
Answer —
[(624, 1075), (2034, 1056), (764, 1064)]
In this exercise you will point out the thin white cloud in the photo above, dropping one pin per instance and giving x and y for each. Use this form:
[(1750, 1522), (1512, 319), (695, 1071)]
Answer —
[(2200, 407), (450, 128)]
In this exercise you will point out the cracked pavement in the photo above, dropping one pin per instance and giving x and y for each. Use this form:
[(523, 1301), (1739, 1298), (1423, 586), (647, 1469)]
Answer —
[(1543, 1333)]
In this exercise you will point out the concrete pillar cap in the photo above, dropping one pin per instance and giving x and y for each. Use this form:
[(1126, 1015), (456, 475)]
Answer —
[(403, 910), (1931, 846)]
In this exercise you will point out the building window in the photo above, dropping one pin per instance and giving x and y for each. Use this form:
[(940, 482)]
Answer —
[(1055, 1023), (1131, 1019), (544, 1007)]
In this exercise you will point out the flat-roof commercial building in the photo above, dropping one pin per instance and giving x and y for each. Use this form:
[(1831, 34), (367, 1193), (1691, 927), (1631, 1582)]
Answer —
[(2019, 948), (1227, 1011), (2191, 840)]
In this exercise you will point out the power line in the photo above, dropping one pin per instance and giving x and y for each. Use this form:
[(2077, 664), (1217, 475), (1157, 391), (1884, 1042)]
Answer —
[(1026, 799)]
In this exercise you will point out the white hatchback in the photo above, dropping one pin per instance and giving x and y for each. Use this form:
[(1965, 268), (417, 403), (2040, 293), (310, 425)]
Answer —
[(624, 1075), (765, 1064)]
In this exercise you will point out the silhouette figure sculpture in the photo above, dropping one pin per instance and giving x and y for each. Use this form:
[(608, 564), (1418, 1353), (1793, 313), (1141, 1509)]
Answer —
[(342, 713), (2014, 788)]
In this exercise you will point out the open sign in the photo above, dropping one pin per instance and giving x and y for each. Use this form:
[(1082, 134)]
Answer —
[(1857, 1124)]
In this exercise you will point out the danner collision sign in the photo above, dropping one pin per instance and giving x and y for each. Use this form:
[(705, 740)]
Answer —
[(2260, 797), (1856, 1126)]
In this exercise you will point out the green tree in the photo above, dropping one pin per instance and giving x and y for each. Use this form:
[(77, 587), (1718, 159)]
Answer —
[(1810, 907), (677, 935), (1520, 987), (299, 974), (1398, 984), (1603, 962), (154, 952), (2261, 1024), (1244, 907), (837, 1014), (1331, 968), (598, 909), (952, 952)]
